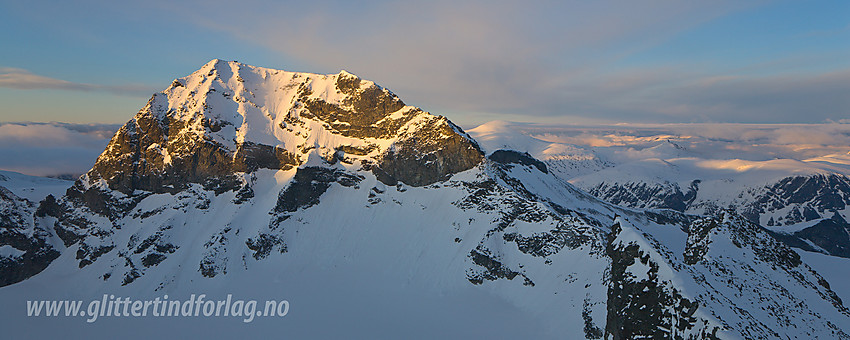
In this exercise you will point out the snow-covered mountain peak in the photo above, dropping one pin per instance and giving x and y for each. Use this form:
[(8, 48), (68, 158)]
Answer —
[(230, 118), (254, 98), (344, 73)]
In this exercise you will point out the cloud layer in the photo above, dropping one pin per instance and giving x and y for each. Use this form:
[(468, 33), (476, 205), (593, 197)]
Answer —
[(52, 149), (754, 142)]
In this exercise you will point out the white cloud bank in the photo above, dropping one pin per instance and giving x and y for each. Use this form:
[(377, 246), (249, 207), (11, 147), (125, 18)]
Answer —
[(52, 149), (755, 142)]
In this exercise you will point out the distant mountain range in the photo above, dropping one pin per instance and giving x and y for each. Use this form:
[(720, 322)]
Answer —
[(802, 202)]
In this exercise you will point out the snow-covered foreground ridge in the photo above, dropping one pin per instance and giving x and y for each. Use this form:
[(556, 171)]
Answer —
[(383, 220)]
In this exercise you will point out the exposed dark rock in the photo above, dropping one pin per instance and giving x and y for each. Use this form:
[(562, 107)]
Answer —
[(19, 231), (244, 194), (152, 259), (251, 156), (88, 254), (131, 276), (362, 113), (36, 257), (359, 151), (747, 234), (100, 201), (670, 217), (72, 218), (698, 240), (806, 198), (432, 153), (831, 235), (515, 157), (48, 206), (647, 307), (215, 258), (157, 153), (825, 192), (568, 229), (494, 269), (810, 214), (308, 185), (263, 245), (591, 331), (792, 241), (571, 231), (381, 175)]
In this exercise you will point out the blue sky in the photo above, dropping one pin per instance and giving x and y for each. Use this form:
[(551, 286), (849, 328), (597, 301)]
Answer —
[(556, 62)]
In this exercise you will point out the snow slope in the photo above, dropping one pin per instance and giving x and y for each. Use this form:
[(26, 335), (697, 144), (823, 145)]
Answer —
[(33, 188)]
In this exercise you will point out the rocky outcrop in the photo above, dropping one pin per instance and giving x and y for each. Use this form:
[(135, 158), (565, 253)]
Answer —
[(516, 157), (432, 152), (364, 111), (560, 229), (641, 303), (308, 185), (157, 153), (25, 249)]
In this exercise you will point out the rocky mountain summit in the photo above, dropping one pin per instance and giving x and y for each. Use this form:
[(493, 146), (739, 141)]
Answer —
[(236, 173), (231, 118)]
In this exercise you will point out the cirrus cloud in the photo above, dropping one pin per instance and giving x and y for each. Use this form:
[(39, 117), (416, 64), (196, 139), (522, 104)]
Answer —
[(21, 79)]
